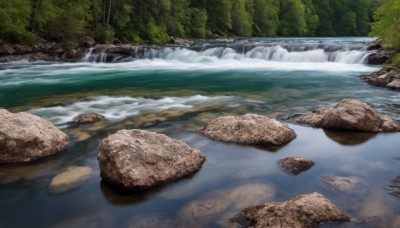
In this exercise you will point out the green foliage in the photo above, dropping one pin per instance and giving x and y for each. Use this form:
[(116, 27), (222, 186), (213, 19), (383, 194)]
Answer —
[(266, 17), (387, 23), (292, 18), (156, 34), (104, 34), (14, 20), (198, 20), (153, 21), (241, 21)]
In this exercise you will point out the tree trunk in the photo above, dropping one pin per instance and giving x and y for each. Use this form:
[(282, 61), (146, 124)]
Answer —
[(109, 12)]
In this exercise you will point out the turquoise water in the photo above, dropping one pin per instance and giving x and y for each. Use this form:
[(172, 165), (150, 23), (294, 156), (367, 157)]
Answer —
[(176, 91)]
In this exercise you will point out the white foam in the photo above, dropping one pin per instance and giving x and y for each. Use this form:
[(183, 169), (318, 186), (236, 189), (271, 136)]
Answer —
[(118, 108)]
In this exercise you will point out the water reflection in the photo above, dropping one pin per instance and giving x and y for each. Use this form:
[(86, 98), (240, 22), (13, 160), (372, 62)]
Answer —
[(348, 138), (120, 197)]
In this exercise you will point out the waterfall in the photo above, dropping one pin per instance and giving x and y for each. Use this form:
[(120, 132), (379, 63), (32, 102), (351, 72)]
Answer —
[(291, 53)]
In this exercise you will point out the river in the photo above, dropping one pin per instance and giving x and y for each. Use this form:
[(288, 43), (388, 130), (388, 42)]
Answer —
[(176, 90)]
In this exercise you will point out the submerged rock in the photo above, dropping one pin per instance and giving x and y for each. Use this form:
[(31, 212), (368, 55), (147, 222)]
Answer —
[(25, 137), (351, 115), (90, 117), (69, 179), (99, 219), (301, 211), (219, 206), (249, 129), (150, 221), (296, 165), (138, 159), (394, 186), (346, 184)]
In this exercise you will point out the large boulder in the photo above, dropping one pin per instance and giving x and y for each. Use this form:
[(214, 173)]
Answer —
[(301, 211), (138, 159), (25, 137), (349, 114), (381, 56), (249, 129)]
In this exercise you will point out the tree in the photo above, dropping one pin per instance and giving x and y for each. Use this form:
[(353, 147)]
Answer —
[(241, 21), (292, 18), (14, 20), (219, 16), (265, 19), (311, 17), (387, 23)]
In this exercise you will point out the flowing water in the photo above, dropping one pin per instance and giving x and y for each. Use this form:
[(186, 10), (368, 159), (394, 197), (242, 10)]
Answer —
[(176, 90)]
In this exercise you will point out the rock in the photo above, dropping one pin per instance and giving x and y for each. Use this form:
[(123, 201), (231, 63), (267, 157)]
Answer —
[(395, 84), (394, 186), (301, 211), (381, 56), (138, 159), (86, 41), (296, 165), (249, 129), (181, 42), (21, 49), (99, 219), (374, 47), (215, 206), (90, 117), (150, 221), (351, 115), (388, 77), (346, 184), (7, 49), (25, 137), (69, 179)]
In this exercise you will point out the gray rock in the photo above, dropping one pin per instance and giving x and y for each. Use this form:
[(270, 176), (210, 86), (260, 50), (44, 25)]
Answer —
[(90, 117), (395, 84), (296, 165), (137, 159), (351, 115), (301, 211), (69, 179), (25, 137), (381, 56), (249, 129), (86, 41)]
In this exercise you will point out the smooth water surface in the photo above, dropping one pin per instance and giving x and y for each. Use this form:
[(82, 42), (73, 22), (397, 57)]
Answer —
[(176, 90)]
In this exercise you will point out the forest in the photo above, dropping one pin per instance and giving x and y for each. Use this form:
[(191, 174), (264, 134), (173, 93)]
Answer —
[(154, 21)]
